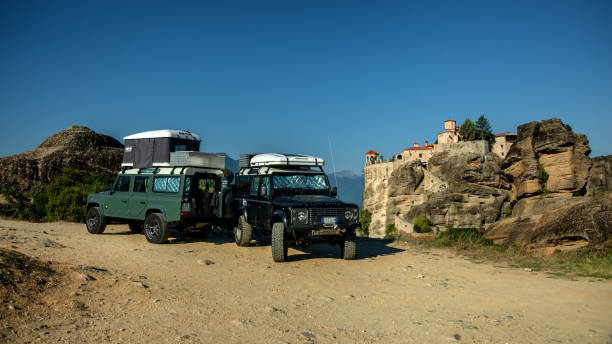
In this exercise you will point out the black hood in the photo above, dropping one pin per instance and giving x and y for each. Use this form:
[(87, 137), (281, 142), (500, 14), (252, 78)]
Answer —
[(309, 201)]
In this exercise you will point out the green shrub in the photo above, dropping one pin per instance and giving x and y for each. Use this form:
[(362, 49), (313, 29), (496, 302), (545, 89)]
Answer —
[(390, 228), (67, 194), (542, 174), (508, 211), (422, 224), (365, 218), (568, 127), (63, 199)]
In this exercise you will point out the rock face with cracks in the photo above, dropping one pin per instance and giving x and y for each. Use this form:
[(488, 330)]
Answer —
[(76, 147), (547, 194)]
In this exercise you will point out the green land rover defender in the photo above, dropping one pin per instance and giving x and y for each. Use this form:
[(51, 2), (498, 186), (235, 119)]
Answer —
[(163, 186)]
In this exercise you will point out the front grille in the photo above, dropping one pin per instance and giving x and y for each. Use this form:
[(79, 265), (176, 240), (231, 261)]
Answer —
[(315, 214)]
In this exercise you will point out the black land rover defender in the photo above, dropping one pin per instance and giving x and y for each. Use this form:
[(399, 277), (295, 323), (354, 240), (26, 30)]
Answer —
[(289, 197)]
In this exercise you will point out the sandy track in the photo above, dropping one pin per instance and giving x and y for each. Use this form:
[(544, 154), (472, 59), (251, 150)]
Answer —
[(391, 294)]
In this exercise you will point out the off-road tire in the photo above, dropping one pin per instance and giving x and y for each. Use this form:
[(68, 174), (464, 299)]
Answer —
[(348, 248), (156, 229), (279, 242), (136, 227), (95, 221), (243, 232)]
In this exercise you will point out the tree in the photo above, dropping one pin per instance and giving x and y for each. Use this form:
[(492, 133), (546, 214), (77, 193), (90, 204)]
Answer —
[(483, 128), (468, 131), (365, 217)]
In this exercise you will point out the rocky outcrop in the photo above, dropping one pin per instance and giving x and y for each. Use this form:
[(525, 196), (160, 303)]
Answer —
[(600, 178), (579, 223), (457, 188), (547, 157), (473, 193), (539, 187), (76, 147)]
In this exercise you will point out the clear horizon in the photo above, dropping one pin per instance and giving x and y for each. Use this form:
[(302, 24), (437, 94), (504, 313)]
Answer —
[(278, 76)]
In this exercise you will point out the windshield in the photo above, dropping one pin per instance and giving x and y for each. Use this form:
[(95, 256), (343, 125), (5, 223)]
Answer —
[(300, 181)]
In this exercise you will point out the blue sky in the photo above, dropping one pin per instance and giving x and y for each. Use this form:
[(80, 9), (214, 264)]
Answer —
[(286, 75)]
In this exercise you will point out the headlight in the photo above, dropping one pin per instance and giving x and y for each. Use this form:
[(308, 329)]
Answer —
[(350, 214), (299, 216)]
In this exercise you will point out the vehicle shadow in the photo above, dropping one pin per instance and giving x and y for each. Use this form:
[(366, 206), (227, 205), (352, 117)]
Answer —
[(366, 248), (217, 237)]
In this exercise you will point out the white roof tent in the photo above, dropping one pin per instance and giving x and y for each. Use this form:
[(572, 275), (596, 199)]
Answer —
[(152, 148), (276, 159)]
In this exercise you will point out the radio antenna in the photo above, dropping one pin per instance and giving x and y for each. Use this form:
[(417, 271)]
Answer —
[(333, 161)]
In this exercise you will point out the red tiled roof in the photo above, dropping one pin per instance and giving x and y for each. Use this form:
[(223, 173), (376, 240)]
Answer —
[(372, 152), (428, 147)]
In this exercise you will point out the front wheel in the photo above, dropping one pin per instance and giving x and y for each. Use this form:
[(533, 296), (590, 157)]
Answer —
[(348, 249), (95, 221), (243, 232), (279, 242), (156, 228)]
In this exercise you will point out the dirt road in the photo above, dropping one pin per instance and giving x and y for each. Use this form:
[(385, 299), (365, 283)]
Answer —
[(118, 288)]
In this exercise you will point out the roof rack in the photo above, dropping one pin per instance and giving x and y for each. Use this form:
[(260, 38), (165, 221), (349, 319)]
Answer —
[(276, 159)]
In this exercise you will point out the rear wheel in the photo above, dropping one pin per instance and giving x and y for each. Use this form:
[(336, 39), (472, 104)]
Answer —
[(156, 229), (136, 227), (348, 249), (95, 221), (279, 242), (243, 232)]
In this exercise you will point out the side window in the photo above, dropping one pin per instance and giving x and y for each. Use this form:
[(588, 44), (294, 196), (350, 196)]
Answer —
[(123, 184), (166, 184), (141, 183), (266, 182), (254, 186)]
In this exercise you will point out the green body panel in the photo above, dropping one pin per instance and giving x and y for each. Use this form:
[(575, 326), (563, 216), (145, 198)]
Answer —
[(137, 201)]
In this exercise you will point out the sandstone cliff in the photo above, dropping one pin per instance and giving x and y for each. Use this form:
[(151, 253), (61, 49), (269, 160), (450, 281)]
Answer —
[(535, 197), (76, 147)]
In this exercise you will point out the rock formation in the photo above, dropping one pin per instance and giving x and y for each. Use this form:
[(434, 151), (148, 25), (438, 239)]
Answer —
[(76, 147), (540, 187)]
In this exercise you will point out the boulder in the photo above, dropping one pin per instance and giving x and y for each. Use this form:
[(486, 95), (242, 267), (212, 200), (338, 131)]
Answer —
[(547, 157), (582, 223), (76, 147), (600, 176)]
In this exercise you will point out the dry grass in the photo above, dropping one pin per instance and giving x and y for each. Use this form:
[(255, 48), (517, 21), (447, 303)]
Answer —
[(565, 265)]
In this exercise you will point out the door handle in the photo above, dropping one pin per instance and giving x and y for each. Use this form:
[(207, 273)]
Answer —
[(143, 202), (123, 201)]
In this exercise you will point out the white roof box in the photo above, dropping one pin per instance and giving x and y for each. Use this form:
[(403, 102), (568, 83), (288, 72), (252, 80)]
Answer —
[(275, 159), (179, 134)]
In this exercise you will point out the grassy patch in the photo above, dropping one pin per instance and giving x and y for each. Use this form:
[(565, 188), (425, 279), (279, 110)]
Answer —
[(563, 265)]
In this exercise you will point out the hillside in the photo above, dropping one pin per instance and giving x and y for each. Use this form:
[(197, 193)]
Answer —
[(76, 147)]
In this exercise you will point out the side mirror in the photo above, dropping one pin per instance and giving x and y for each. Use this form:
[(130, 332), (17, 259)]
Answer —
[(334, 191)]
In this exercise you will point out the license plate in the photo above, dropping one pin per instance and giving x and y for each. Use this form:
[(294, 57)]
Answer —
[(329, 220)]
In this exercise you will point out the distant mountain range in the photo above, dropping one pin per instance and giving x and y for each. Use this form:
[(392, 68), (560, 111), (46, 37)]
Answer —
[(350, 184)]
